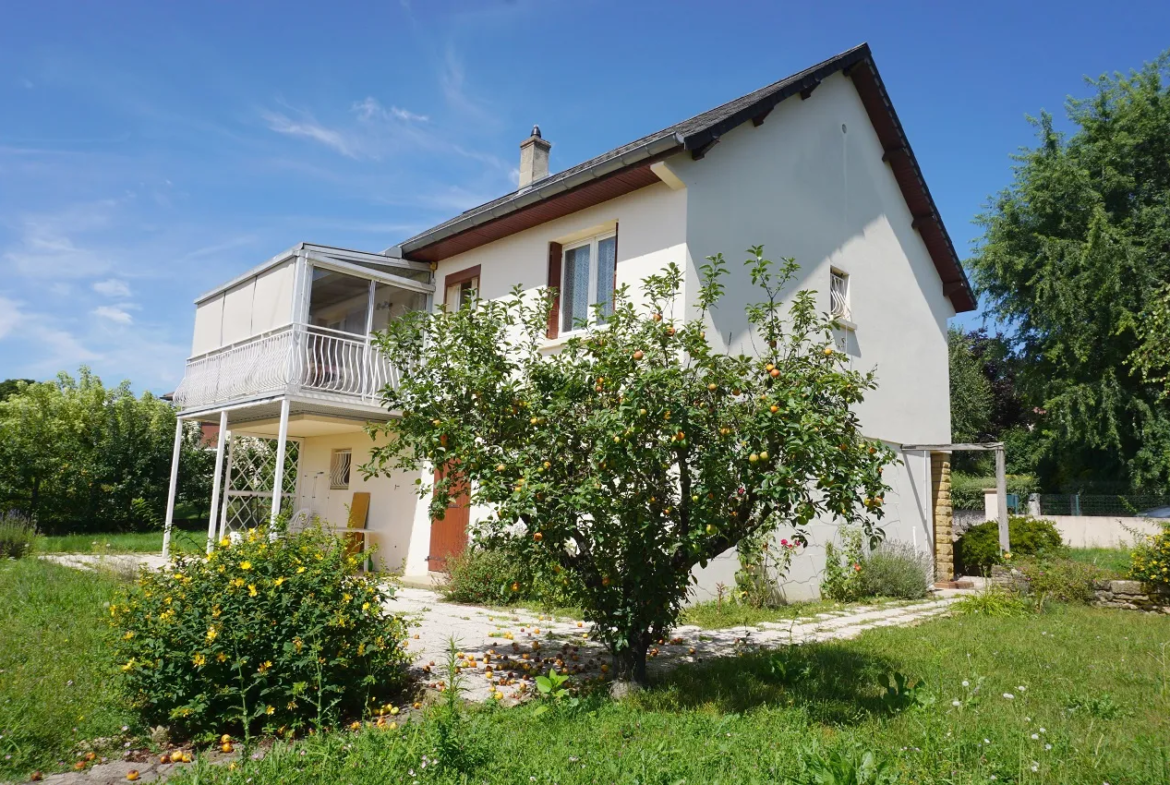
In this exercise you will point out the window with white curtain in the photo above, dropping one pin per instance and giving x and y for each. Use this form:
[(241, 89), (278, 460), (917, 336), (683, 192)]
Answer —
[(839, 295), (587, 279)]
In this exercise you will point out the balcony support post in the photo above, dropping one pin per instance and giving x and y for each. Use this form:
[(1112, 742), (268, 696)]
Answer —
[(170, 519), (278, 475), (227, 488), (215, 483)]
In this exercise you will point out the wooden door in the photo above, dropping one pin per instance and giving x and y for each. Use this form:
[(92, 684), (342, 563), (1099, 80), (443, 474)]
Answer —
[(449, 535)]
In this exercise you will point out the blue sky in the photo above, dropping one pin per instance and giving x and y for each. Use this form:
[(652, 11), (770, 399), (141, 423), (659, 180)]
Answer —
[(149, 151)]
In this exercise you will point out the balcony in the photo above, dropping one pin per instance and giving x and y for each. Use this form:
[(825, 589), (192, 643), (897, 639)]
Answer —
[(299, 326), (299, 359)]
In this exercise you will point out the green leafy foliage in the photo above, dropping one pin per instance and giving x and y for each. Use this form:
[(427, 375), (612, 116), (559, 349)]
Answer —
[(641, 449), (1054, 577), (896, 570), (491, 576), (978, 549), (900, 693), (78, 456), (1151, 560), (266, 633), (763, 564), (840, 767), (995, 602), (17, 535), (843, 567), (1075, 255), (1152, 357)]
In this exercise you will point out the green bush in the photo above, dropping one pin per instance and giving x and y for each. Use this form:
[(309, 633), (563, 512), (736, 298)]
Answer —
[(978, 549), (496, 576), (266, 633), (995, 602), (17, 535), (895, 570), (967, 489), (842, 580), (1061, 579), (1151, 560)]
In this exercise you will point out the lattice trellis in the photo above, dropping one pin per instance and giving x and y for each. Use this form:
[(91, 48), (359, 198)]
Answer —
[(251, 473)]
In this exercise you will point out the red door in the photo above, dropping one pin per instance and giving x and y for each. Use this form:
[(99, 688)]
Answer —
[(449, 535)]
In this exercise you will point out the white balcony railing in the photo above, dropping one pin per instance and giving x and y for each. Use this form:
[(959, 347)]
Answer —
[(295, 358)]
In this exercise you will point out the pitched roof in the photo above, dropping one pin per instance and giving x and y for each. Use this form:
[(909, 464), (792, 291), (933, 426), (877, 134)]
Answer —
[(627, 168)]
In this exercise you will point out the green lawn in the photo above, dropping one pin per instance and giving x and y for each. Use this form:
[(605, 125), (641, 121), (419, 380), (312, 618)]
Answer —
[(128, 542), (1090, 703), (1115, 560), (55, 683)]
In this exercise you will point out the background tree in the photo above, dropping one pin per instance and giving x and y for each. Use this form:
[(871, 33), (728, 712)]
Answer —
[(638, 451), (1152, 357), (1073, 252), (76, 455), (985, 402), (10, 387)]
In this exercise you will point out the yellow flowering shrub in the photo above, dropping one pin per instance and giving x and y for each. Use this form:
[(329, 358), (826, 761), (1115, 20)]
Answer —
[(261, 634), (1151, 560)]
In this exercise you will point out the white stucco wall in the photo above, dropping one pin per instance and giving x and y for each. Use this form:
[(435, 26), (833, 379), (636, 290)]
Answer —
[(805, 188), (651, 233), (251, 307), (392, 498)]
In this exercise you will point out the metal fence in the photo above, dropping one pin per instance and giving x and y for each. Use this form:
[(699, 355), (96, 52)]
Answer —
[(1102, 504)]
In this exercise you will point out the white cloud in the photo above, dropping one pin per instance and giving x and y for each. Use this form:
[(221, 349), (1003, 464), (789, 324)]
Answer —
[(115, 313), (11, 316), (112, 288), (311, 129), (45, 245), (372, 109)]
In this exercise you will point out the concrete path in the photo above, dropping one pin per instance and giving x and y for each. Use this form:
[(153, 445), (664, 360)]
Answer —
[(504, 649)]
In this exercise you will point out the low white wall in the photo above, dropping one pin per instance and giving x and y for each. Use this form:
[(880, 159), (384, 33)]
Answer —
[(1095, 531)]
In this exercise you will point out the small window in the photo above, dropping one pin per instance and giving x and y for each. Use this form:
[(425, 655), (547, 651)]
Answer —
[(587, 279), (839, 295), (339, 469)]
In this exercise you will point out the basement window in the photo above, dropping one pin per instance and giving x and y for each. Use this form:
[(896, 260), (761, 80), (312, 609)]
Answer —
[(339, 465), (839, 296)]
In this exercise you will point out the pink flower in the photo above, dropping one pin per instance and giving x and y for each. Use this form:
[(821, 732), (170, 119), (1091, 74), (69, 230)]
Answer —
[(784, 543)]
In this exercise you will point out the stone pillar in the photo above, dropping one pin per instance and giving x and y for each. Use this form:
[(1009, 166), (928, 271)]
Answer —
[(940, 502)]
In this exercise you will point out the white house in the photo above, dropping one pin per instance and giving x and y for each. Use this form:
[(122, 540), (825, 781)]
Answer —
[(815, 166)]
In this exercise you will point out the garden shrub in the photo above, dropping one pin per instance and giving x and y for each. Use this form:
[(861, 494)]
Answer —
[(895, 569), (495, 576), (1151, 560), (763, 564), (268, 633), (1064, 580), (978, 549), (17, 535), (842, 579), (995, 602)]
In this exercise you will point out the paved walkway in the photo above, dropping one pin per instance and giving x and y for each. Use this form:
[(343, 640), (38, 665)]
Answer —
[(503, 650)]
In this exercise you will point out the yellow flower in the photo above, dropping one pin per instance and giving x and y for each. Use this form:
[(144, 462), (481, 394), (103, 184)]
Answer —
[(221, 657), (300, 570), (128, 636), (212, 632), (365, 606), (264, 666), (238, 582), (251, 589), (225, 542), (199, 660), (245, 565), (278, 581), (128, 666), (298, 643), (270, 710)]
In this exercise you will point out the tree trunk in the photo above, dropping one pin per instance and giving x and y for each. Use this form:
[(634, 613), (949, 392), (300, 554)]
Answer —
[(629, 665)]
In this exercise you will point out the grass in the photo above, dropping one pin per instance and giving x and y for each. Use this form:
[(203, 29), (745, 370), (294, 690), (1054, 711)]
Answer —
[(1115, 560), (55, 685), (1090, 703), (719, 615), (122, 542)]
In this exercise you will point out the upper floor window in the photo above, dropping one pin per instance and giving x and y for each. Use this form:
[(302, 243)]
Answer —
[(839, 295), (587, 279), (338, 301), (460, 288)]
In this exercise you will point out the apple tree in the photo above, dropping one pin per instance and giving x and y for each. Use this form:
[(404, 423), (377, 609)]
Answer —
[(639, 450)]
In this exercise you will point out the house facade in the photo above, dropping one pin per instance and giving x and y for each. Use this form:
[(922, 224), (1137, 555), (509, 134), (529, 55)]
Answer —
[(814, 167)]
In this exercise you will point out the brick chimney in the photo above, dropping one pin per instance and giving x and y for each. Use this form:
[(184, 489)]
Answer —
[(533, 158)]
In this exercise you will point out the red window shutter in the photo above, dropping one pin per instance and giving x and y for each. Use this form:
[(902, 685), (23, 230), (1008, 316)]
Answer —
[(554, 281)]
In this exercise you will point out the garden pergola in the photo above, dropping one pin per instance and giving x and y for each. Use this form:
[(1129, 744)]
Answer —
[(1000, 477)]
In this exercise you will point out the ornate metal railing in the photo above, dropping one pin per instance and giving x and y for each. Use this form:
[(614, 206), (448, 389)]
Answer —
[(294, 358)]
